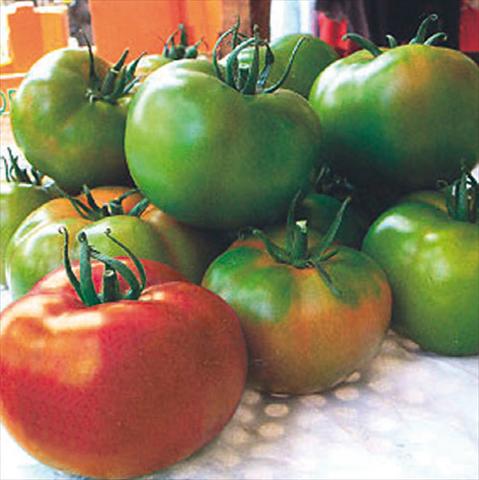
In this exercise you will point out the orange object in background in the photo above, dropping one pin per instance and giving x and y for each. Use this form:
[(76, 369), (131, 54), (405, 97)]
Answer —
[(140, 25), (33, 31), (144, 25), (203, 20)]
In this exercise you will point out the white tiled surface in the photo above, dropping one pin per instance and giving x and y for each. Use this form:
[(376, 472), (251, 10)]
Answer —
[(410, 415)]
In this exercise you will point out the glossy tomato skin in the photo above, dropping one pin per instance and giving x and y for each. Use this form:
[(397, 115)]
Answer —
[(63, 134), (432, 263), (17, 200), (312, 58), (301, 337), (37, 248), (150, 63), (120, 389), (379, 116), (190, 250), (220, 159)]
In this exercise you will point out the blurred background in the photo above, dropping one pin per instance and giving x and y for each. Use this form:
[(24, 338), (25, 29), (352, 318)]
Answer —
[(29, 29)]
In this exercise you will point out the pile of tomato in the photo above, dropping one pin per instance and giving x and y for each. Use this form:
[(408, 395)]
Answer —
[(201, 220)]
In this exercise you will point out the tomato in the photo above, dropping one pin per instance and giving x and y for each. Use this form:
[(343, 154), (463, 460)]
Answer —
[(214, 156), (431, 258), (122, 388), (149, 63), (34, 250), (68, 117), (379, 111), (190, 250), (313, 57), (20, 193), (311, 316)]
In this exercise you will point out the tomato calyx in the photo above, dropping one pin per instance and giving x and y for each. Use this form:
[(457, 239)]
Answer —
[(117, 83), (90, 210), (84, 286), (461, 198), (296, 251), (15, 174), (178, 52), (250, 80), (419, 39)]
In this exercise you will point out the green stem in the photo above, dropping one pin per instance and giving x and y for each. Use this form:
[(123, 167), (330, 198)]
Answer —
[(94, 80), (92, 211), (117, 83), (14, 173), (250, 81), (88, 293), (283, 78), (111, 286), (436, 38), (170, 41), (232, 62), (110, 78), (90, 200), (118, 86), (363, 42), (392, 42), (461, 198), (276, 252), (183, 36), (116, 265), (68, 266), (319, 252), (133, 257), (249, 87), (268, 64), (139, 208), (291, 219), (299, 247), (85, 287), (326, 278), (422, 30), (297, 253), (216, 47), (192, 51), (83, 210)]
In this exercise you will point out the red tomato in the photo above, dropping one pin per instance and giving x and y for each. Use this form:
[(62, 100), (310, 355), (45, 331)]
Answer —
[(124, 388)]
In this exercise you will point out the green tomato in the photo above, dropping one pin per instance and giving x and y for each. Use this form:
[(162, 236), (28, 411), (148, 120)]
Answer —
[(36, 248), (312, 58), (17, 200), (406, 117), (432, 262), (69, 125), (214, 157), (149, 63), (303, 335)]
